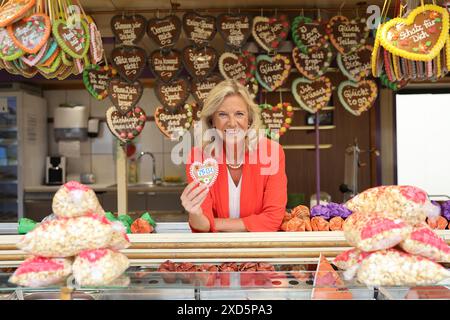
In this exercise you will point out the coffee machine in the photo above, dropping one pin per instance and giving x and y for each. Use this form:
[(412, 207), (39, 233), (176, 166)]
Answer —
[(55, 171)]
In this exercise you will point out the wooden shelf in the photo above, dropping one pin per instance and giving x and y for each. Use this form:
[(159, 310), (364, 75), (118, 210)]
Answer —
[(311, 127), (306, 147)]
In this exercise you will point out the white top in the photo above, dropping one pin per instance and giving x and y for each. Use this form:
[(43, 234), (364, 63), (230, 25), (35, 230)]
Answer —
[(234, 197)]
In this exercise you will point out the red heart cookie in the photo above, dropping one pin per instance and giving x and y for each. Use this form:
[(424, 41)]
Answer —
[(205, 172), (127, 126)]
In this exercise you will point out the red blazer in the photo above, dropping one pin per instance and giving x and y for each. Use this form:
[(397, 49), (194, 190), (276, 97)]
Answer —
[(263, 197)]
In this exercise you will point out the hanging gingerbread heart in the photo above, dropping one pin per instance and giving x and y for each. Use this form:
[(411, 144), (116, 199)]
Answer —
[(72, 39), (312, 95), (356, 65), (235, 29), (272, 72), (240, 67), (199, 62), (315, 62), (129, 61), (357, 97), (25, 70), (200, 88), (420, 36), (165, 65), (14, 10), (96, 50), (308, 33), (199, 29), (30, 33), (173, 94), (51, 65), (276, 119), (205, 172), (124, 95), (96, 80), (126, 126), (52, 47), (269, 32), (8, 49), (32, 59), (164, 32), (128, 30), (347, 35), (174, 124)]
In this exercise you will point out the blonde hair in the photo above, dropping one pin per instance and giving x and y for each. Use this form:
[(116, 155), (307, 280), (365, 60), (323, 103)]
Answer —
[(216, 97)]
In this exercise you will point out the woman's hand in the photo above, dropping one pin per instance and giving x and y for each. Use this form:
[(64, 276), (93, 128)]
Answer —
[(193, 196)]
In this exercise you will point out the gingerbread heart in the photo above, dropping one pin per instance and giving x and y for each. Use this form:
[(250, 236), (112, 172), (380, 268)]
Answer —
[(235, 29), (128, 30), (96, 50), (200, 88), (315, 62), (347, 35), (307, 33), (357, 97), (126, 126), (240, 67), (356, 65), (25, 70), (30, 33), (124, 95), (420, 36), (164, 32), (96, 80), (166, 66), (174, 124), (8, 49), (277, 119), (52, 64), (272, 72), (269, 32), (199, 62), (72, 39), (14, 10), (199, 29), (52, 50), (312, 95), (205, 172), (173, 94), (33, 59), (129, 61)]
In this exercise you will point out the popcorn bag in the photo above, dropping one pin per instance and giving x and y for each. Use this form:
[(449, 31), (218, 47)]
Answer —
[(348, 259), (375, 231), (67, 237), (119, 238), (406, 202), (41, 272), (395, 268), (425, 242), (99, 267), (74, 199)]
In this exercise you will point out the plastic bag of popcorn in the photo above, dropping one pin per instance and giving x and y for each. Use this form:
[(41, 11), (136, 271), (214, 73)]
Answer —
[(74, 199), (119, 239), (42, 272), (425, 242), (67, 237), (375, 231), (406, 202), (99, 267), (395, 268), (348, 259)]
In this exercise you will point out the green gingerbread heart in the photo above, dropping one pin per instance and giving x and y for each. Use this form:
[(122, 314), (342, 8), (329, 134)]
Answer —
[(74, 41)]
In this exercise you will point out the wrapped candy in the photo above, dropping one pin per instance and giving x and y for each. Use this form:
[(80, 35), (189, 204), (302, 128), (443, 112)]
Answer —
[(41, 272), (439, 223), (74, 199), (319, 224), (330, 210), (336, 224), (445, 209), (99, 267), (144, 224), (425, 242), (395, 268), (26, 225), (295, 224), (406, 202), (375, 231), (67, 237), (300, 211), (126, 221)]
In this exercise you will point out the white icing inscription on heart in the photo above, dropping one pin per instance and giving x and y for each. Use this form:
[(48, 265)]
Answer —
[(205, 172)]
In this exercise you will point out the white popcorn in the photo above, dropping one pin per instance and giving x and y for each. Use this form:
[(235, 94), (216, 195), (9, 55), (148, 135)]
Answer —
[(99, 267)]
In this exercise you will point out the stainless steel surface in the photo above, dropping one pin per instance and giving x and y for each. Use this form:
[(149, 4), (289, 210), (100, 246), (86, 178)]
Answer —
[(143, 153), (8, 228), (172, 227)]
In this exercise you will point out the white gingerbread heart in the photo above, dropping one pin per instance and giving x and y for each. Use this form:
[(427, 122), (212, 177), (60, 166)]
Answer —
[(205, 172)]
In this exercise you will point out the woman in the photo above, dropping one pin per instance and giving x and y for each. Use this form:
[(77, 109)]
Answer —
[(250, 192)]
